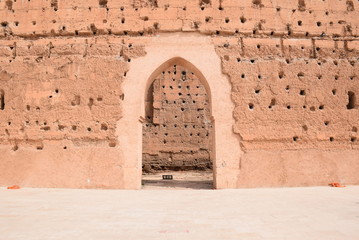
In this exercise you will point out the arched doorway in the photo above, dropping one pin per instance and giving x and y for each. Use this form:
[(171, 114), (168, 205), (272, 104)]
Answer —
[(196, 52), (177, 129)]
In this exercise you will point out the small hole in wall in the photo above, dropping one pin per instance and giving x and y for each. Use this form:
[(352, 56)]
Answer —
[(250, 106), (40, 147), (281, 75), (243, 76), (104, 127), (74, 127), (243, 19), (257, 91), (295, 138), (65, 147), (2, 100), (331, 139), (299, 23), (91, 102), (89, 129), (351, 100), (319, 24), (336, 77), (353, 139), (302, 92), (334, 91), (305, 127), (312, 108), (354, 129), (15, 148), (288, 107), (47, 128), (326, 123), (321, 107), (272, 103)]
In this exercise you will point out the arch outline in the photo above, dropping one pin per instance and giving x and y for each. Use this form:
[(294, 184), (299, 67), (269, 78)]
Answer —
[(199, 53)]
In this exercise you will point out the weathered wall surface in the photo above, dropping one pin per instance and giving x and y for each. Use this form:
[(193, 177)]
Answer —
[(293, 66), (178, 122), (62, 96)]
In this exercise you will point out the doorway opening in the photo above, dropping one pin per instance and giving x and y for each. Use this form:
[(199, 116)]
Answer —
[(177, 132)]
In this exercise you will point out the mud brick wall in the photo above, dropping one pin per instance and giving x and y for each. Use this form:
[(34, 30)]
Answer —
[(178, 123), (292, 66), (62, 90), (293, 94), (295, 18)]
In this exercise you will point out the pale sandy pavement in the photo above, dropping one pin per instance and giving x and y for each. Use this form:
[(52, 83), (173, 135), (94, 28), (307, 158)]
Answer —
[(282, 213)]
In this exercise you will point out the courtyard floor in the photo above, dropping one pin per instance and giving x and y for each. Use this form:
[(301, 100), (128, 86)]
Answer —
[(278, 213)]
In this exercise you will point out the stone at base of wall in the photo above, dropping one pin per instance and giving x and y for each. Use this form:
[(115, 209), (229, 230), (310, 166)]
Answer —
[(294, 168)]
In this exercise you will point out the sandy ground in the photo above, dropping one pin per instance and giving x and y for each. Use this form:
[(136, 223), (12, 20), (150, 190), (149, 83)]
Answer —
[(311, 213)]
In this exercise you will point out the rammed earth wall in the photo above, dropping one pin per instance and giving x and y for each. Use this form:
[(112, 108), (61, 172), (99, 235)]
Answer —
[(290, 67)]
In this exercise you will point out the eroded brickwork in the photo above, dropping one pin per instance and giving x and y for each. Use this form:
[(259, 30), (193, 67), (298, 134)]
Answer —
[(178, 129), (62, 90), (302, 18), (292, 65), (293, 94)]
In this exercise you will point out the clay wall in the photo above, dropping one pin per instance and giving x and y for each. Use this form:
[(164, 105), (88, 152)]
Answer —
[(292, 65), (178, 123)]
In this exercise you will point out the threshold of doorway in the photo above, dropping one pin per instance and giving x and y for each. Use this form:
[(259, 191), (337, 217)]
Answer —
[(181, 180)]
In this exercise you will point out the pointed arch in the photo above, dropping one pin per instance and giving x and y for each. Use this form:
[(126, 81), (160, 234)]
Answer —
[(184, 63), (198, 54)]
